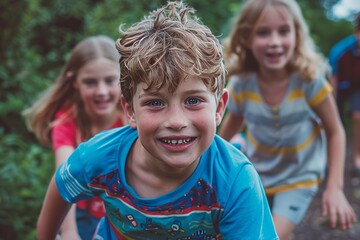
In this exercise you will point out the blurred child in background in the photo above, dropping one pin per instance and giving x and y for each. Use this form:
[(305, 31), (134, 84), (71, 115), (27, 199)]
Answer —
[(344, 58), (278, 89), (83, 101)]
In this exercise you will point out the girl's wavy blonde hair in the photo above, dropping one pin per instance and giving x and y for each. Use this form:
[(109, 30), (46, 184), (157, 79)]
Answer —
[(63, 95), (307, 61), (166, 47)]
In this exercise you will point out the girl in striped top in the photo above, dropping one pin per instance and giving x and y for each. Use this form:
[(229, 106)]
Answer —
[(278, 90)]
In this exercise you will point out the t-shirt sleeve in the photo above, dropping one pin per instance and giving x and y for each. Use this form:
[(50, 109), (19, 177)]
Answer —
[(63, 133), (247, 214), (316, 91), (71, 178)]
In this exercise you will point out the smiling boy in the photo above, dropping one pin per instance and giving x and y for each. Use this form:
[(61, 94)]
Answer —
[(167, 175)]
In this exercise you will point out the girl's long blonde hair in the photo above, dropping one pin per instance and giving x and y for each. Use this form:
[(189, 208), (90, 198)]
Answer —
[(63, 95), (307, 61)]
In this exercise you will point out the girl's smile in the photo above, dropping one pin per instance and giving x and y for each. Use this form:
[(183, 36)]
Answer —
[(97, 84)]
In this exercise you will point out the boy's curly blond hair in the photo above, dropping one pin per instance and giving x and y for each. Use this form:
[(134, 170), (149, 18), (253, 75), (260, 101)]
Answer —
[(166, 47)]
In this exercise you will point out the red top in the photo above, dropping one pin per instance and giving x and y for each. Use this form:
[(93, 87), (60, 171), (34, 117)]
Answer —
[(64, 134), (349, 68)]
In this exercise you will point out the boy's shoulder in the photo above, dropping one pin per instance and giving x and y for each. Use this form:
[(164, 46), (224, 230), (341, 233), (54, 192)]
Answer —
[(112, 135), (103, 152), (228, 166), (229, 157), (108, 140)]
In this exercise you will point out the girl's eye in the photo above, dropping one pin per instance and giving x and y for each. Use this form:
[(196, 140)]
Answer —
[(90, 82), (284, 31), (262, 32), (193, 101), (110, 81)]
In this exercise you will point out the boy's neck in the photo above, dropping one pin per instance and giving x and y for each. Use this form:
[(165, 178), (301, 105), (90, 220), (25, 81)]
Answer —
[(149, 179)]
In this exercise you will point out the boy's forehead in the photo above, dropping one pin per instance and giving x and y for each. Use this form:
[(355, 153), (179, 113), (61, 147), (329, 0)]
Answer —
[(157, 83), (188, 83)]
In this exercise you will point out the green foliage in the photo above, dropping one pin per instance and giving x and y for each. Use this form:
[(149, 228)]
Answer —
[(25, 170), (325, 29), (36, 38)]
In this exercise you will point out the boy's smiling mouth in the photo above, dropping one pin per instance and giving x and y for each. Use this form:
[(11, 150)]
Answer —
[(176, 141)]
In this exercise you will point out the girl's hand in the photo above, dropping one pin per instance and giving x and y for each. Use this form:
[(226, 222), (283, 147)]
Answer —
[(337, 208)]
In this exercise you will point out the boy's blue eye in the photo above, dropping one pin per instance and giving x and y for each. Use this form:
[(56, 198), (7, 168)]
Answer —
[(192, 101), (155, 103)]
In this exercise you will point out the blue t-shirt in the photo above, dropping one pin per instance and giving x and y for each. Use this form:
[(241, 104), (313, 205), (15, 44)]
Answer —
[(339, 49), (222, 199)]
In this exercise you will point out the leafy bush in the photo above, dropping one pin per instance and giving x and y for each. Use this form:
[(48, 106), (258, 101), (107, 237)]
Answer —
[(25, 170)]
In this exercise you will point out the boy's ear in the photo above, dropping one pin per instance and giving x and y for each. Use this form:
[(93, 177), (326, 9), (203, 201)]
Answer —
[(221, 107), (129, 112)]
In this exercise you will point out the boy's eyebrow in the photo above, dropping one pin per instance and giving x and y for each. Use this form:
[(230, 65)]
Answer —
[(149, 93), (197, 91), (157, 93)]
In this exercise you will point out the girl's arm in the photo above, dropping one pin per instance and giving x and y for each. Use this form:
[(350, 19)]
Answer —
[(62, 154), (69, 227), (333, 80), (53, 212), (335, 204), (231, 125)]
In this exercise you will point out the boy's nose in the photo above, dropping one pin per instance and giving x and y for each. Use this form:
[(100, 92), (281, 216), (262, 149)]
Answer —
[(176, 119)]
